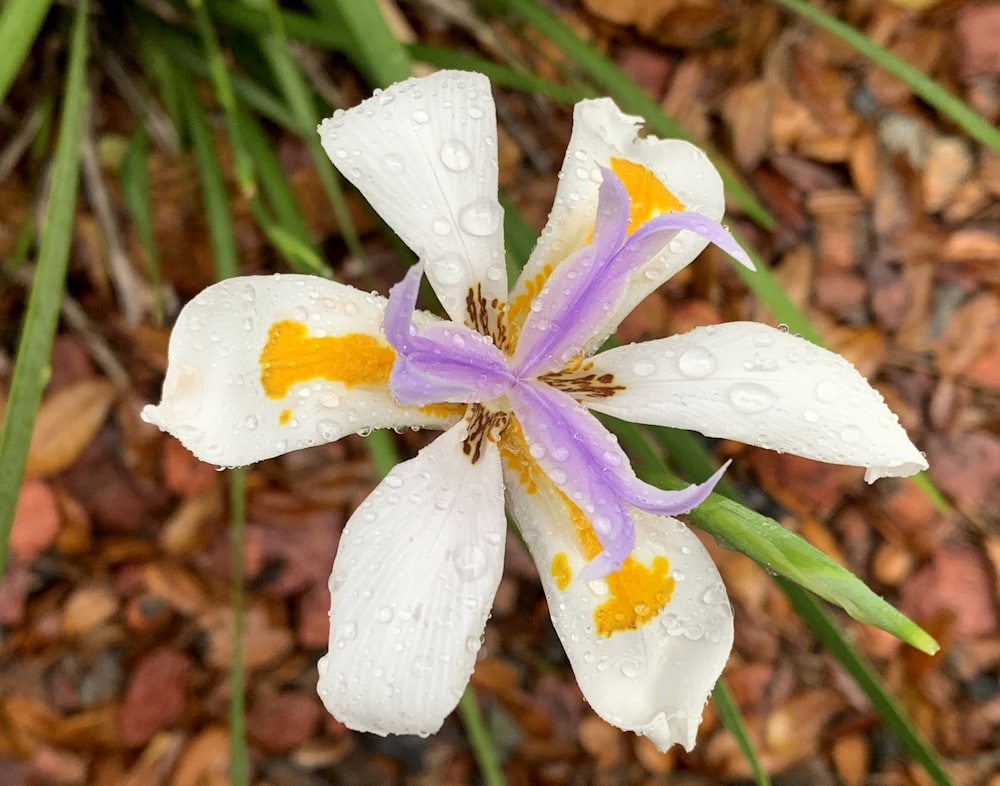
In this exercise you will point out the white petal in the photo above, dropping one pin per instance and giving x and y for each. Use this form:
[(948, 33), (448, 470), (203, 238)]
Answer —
[(424, 154), (600, 132), (214, 397), (655, 677), (412, 585), (756, 384)]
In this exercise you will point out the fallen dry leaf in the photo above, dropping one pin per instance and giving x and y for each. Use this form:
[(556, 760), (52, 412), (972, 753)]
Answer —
[(67, 422)]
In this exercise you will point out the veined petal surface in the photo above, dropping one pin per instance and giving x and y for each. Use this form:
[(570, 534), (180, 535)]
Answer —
[(412, 585), (646, 643), (759, 385), (261, 365), (601, 133), (424, 154)]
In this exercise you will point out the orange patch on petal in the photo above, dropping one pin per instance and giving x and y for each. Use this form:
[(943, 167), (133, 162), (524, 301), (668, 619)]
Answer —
[(648, 197), (284, 416), (560, 570), (517, 310), (637, 593), (291, 356)]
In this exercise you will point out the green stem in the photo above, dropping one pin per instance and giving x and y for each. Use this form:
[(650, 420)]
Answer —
[(479, 739)]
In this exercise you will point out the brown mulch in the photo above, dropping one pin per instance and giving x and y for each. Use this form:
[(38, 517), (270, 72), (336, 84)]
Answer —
[(114, 610)]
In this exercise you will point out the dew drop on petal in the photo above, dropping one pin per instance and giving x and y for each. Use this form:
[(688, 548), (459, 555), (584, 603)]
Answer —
[(393, 481), (827, 391), (384, 614), (455, 155), (810, 416), (643, 368), (851, 434), (750, 397), (537, 450), (420, 116), (446, 270), (251, 422), (469, 561), (348, 631), (441, 226), (393, 164), (696, 363), (327, 429), (480, 218)]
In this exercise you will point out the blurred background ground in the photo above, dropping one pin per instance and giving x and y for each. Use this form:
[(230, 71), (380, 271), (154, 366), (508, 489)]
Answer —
[(114, 611)]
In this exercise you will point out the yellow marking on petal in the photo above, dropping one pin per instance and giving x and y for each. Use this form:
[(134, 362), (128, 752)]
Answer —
[(560, 570), (291, 356), (444, 410), (648, 197), (517, 309), (284, 417), (637, 593)]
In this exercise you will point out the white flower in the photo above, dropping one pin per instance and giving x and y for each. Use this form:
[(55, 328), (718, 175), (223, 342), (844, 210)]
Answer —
[(261, 366)]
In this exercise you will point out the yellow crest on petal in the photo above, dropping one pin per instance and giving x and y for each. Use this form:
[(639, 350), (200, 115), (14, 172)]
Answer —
[(290, 356), (648, 197)]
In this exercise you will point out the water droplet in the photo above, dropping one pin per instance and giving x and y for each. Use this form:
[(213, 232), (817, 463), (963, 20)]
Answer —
[(328, 430), (851, 434), (558, 477), (441, 226), (750, 398), (330, 400), (469, 561), (696, 363), (480, 218), (763, 339), (560, 453), (420, 116), (643, 368), (631, 668), (694, 631), (455, 155), (393, 481), (494, 272), (300, 314), (472, 644), (475, 112), (827, 391), (384, 614), (348, 631), (251, 422), (393, 164), (810, 416), (447, 270), (537, 450), (248, 324)]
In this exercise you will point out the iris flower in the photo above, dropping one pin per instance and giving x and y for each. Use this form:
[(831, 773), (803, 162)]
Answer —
[(259, 366)]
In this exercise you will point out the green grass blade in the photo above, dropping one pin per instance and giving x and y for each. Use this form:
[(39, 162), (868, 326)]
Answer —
[(133, 175), (729, 712), (825, 629), (299, 27), (20, 21), (499, 74), (629, 95), (213, 185), (299, 99), (31, 368), (479, 739), (922, 85), (381, 58)]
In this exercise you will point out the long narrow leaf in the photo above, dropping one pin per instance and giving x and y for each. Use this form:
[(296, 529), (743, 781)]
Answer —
[(729, 712), (31, 368), (20, 21), (826, 630), (932, 92), (628, 94), (381, 57)]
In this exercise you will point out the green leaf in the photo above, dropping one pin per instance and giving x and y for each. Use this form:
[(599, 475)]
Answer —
[(20, 21), (948, 104), (628, 94), (826, 630), (31, 368), (729, 712), (380, 56)]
